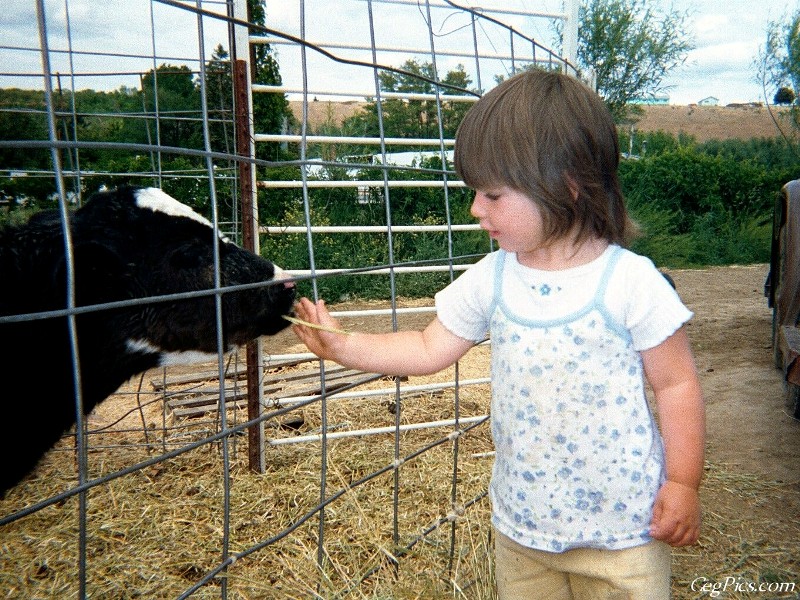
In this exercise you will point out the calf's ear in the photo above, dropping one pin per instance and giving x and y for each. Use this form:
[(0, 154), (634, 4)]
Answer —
[(188, 256), (100, 273)]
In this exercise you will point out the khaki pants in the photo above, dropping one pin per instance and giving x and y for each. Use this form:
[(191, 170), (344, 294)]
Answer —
[(639, 573)]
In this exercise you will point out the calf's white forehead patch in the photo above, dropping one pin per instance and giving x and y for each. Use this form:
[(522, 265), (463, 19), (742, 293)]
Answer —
[(159, 201)]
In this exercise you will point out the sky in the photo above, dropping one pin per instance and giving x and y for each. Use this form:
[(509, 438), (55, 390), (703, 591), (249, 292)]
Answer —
[(727, 35)]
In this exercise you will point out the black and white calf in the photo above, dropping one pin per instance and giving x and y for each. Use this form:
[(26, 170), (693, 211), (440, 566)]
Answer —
[(128, 243)]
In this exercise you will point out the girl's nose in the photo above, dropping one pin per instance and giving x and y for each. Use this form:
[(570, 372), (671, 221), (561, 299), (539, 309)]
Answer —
[(477, 208)]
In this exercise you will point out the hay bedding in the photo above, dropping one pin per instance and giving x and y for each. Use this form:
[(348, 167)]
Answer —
[(156, 532)]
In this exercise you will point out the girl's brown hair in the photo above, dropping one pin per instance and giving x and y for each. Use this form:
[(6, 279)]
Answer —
[(549, 136)]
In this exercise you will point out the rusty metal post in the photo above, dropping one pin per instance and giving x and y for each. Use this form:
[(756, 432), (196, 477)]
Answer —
[(244, 148)]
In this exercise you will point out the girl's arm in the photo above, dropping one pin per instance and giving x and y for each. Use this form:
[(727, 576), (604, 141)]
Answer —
[(671, 372), (397, 353)]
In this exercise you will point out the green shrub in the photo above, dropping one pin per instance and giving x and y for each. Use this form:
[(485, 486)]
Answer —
[(697, 205), (701, 208)]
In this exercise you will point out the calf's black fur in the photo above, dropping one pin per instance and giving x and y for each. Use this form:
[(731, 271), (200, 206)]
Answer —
[(127, 243)]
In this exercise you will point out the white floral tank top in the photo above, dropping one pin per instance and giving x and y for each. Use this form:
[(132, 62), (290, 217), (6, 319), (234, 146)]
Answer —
[(579, 458)]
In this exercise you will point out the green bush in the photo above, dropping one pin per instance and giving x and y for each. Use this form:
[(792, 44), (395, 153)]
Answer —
[(699, 207)]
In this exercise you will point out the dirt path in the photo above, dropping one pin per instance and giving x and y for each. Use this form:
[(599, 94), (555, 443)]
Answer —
[(749, 425)]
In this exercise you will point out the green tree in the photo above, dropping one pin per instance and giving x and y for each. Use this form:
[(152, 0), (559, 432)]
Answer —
[(271, 112), (109, 117), (778, 63), (413, 117), (629, 47), (780, 58), (784, 95), (175, 89), (22, 117), (219, 100), (453, 112)]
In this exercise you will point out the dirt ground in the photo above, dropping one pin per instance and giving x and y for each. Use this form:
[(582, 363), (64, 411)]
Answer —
[(715, 122), (750, 499), (749, 425)]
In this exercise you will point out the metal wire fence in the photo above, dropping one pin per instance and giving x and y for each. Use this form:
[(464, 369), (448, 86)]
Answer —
[(214, 153)]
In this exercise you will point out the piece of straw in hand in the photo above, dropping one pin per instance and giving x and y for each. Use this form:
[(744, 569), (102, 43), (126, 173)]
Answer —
[(297, 321)]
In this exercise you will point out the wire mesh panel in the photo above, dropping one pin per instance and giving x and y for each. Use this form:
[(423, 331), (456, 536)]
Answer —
[(326, 131)]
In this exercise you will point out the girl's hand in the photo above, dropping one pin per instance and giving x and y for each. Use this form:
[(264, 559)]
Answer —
[(324, 344), (676, 515), (409, 352)]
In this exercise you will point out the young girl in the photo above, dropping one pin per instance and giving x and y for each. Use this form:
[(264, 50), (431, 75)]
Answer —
[(586, 493)]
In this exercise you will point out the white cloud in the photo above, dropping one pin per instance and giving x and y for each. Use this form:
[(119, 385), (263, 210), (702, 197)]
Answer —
[(711, 29)]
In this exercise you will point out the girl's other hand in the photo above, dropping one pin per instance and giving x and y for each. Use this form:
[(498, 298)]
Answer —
[(676, 515)]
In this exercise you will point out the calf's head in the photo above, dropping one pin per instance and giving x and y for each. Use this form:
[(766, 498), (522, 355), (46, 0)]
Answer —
[(140, 242), (130, 246)]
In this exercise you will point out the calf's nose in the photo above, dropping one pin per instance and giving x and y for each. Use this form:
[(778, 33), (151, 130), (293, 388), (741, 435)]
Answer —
[(281, 274)]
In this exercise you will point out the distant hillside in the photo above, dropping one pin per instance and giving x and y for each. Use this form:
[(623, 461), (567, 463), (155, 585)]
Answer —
[(320, 112), (702, 122), (714, 122)]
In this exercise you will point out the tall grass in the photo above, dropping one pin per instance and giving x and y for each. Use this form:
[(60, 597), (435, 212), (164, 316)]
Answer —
[(713, 239)]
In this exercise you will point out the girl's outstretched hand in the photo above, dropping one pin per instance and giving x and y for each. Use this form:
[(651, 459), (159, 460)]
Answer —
[(409, 352), (322, 342)]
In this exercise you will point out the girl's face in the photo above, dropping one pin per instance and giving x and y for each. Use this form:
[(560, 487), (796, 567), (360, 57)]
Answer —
[(511, 218)]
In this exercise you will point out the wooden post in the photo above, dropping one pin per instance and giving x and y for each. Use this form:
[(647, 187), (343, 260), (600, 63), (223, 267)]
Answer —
[(244, 148)]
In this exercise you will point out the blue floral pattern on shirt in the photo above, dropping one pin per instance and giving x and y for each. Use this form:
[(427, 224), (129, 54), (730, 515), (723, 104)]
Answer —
[(579, 459), (545, 289)]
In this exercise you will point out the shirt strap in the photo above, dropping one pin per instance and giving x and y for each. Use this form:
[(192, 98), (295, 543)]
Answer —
[(605, 278), (499, 265)]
